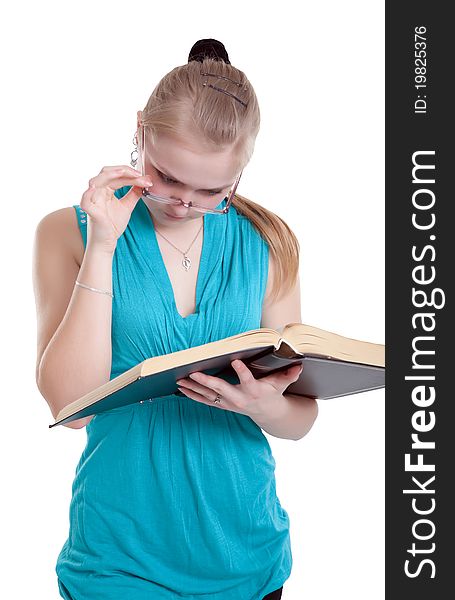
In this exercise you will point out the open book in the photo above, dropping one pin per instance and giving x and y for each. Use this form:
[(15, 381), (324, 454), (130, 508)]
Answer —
[(333, 365)]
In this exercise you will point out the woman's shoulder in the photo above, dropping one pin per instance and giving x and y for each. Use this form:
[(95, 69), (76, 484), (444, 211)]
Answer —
[(63, 224)]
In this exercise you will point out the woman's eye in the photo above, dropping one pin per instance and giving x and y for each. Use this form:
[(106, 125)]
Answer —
[(167, 179)]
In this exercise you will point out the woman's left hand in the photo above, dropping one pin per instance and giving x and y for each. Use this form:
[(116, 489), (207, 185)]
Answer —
[(255, 398)]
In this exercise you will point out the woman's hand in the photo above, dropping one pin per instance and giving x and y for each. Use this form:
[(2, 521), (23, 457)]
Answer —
[(256, 398), (109, 215)]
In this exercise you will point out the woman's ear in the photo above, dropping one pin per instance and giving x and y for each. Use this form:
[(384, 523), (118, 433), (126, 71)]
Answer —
[(139, 118)]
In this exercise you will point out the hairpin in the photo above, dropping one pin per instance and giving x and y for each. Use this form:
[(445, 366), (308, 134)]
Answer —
[(221, 89)]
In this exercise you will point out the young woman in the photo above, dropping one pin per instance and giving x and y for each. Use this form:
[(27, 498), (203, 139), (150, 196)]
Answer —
[(173, 497)]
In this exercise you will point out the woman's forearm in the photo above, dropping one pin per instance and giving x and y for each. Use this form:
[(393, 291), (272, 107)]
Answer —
[(293, 418), (79, 356)]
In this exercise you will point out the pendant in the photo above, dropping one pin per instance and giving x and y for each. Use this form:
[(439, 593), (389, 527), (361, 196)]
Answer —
[(186, 262)]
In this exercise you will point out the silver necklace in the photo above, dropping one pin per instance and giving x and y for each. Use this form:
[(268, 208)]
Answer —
[(186, 262)]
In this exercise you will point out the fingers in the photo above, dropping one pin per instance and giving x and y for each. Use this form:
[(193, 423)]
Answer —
[(245, 376), (292, 373), (206, 384), (289, 376), (93, 195), (295, 371), (283, 379), (102, 186), (109, 218), (119, 176), (87, 196)]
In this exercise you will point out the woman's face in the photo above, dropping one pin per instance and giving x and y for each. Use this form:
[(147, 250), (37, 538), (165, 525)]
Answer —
[(182, 171)]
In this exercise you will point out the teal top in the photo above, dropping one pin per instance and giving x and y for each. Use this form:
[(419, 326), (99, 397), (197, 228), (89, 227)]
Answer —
[(173, 498)]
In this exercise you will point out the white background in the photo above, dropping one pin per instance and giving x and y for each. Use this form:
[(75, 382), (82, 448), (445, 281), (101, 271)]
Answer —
[(75, 76)]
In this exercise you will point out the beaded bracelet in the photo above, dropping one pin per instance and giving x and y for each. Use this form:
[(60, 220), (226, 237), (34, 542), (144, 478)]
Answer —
[(94, 289)]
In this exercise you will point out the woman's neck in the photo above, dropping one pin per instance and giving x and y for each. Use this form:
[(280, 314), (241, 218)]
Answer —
[(179, 232)]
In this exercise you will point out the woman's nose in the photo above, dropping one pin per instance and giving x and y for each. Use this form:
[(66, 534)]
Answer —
[(185, 199), (181, 210)]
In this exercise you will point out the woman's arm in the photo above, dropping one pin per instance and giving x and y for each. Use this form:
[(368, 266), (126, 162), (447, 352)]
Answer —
[(293, 416), (74, 324)]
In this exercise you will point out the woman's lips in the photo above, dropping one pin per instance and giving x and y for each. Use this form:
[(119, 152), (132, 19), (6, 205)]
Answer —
[(174, 217)]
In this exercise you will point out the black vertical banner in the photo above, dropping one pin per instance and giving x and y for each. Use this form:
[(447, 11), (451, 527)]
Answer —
[(420, 357)]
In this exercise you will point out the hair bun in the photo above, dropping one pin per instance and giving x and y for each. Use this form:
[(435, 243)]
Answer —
[(208, 48)]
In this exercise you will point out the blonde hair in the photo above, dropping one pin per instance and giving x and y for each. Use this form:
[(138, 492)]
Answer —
[(182, 107)]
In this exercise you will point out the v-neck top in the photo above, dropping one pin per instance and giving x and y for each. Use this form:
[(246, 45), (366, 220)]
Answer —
[(173, 498), (165, 276)]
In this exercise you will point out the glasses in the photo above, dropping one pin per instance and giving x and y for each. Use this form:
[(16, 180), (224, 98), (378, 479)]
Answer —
[(176, 202)]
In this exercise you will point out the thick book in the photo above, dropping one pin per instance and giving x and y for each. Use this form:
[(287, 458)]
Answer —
[(333, 366)]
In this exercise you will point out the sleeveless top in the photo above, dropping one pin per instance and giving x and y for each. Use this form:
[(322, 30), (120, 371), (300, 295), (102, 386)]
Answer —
[(173, 498)]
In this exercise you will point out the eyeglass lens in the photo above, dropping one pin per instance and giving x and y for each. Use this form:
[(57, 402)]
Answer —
[(165, 200)]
